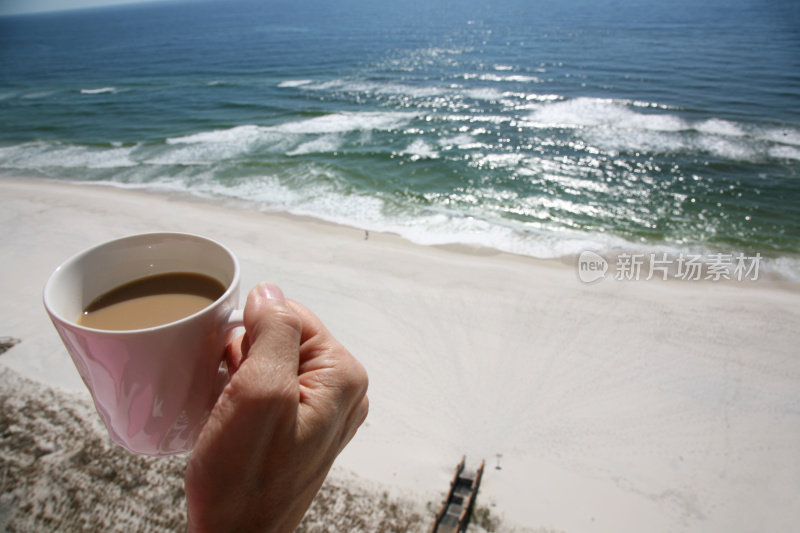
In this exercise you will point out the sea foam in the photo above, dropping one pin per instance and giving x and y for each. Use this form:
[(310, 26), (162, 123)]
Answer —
[(616, 126), (294, 83), (291, 138), (238, 134), (325, 144), (716, 126), (101, 90), (346, 122), (583, 112), (41, 155), (419, 149)]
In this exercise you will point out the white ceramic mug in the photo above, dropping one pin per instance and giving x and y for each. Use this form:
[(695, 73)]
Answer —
[(154, 388)]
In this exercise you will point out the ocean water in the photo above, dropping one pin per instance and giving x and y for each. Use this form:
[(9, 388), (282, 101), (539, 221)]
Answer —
[(535, 127)]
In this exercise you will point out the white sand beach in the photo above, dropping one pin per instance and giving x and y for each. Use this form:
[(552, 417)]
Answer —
[(657, 406)]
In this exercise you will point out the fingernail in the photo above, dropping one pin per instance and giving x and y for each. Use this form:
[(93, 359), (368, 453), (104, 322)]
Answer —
[(271, 292)]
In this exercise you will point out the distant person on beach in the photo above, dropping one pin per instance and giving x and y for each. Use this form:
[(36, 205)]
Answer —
[(295, 399)]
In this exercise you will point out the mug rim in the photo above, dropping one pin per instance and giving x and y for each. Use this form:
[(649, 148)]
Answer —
[(231, 286)]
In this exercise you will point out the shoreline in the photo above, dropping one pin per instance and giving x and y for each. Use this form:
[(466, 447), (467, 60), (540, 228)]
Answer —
[(240, 204), (646, 252), (616, 406)]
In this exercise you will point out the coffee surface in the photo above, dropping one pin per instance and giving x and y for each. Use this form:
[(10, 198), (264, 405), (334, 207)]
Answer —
[(151, 301)]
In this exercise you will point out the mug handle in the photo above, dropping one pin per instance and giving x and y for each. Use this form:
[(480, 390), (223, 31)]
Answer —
[(235, 319)]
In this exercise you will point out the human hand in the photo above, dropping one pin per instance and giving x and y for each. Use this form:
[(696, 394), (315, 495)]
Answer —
[(295, 399)]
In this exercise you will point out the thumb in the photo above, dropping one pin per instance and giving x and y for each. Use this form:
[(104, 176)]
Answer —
[(272, 332)]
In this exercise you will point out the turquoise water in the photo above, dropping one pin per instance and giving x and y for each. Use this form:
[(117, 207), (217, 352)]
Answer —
[(525, 126)]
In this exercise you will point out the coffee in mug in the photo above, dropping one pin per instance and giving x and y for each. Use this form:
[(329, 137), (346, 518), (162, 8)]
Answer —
[(151, 301)]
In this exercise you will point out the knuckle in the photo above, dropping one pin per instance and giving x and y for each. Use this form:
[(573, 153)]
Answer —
[(290, 318), (355, 379), (258, 392), (286, 320)]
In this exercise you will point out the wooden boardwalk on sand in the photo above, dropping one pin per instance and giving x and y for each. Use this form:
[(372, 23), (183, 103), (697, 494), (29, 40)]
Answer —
[(454, 514)]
